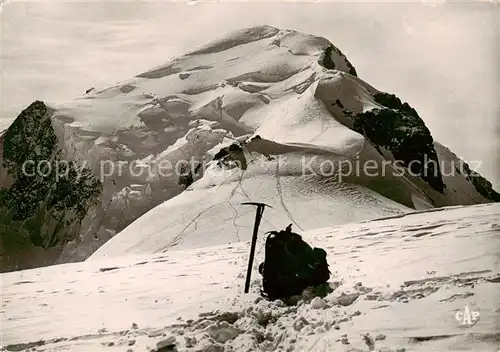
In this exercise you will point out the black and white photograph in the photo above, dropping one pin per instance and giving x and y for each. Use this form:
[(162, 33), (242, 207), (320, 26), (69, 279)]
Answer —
[(250, 176)]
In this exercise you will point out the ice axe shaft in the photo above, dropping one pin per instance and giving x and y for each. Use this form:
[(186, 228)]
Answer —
[(258, 217)]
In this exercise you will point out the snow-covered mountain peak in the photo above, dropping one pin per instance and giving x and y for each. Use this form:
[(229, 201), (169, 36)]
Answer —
[(263, 114)]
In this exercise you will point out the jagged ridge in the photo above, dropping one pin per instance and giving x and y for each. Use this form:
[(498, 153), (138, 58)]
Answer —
[(482, 185)]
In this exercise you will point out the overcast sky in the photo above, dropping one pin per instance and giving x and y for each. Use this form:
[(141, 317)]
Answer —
[(442, 58)]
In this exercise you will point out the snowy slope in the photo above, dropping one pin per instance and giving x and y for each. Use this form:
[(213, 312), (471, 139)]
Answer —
[(210, 213), (295, 91), (401, 280)]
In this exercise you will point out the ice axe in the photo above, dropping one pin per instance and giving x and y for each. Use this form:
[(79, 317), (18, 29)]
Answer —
[(258, 216)]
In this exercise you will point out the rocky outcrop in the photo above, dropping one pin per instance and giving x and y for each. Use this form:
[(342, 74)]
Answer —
[(48, 196), (482, 185), (398, 128), (328, 62), (232, 154)]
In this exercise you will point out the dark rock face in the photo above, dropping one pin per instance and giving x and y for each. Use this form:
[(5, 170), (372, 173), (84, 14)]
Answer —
[(187, 175), (328, 63), (49, 197), (233, 153), (399, 129), (482, 185)]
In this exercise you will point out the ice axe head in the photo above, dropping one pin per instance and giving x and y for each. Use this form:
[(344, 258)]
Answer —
[(260, 207), (257, 204)]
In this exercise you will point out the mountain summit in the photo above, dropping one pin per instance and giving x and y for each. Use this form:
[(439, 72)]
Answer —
[(164, 159)]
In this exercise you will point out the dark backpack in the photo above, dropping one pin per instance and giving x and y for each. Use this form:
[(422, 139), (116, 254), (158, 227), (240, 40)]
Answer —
[(291, 265)]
